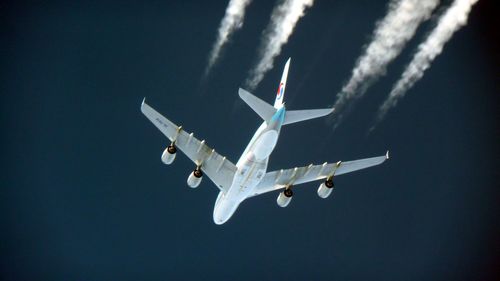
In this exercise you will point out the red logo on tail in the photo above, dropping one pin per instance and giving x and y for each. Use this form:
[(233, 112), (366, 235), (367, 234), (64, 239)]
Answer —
[(280, 91)]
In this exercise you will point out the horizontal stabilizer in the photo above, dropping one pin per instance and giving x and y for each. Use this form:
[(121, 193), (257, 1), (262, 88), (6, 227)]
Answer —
[(262, 108), (293, 116)]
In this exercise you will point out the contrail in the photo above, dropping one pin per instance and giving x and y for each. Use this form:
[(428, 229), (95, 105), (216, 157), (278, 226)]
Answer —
[(452, 20), (388, 40), (283, 20), (232, 21)]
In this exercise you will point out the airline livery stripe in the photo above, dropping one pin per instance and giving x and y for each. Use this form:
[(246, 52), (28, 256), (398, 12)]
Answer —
[(280, 91)]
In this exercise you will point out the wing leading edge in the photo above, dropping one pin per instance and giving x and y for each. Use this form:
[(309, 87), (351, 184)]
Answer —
[(220, 170), (279, 179)]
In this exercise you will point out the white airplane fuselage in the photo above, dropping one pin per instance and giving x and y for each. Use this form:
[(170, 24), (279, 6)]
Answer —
[(248, 177), (251, 167)]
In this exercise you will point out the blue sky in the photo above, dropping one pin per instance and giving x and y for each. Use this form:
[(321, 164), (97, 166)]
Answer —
[(86, 197)]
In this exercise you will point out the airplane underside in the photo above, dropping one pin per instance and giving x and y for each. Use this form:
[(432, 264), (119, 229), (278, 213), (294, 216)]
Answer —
[(249, 177)]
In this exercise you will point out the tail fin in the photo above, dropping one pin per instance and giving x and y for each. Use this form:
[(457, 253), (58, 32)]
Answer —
[(278, 103), (293, 116), (266, 111), (262, 108)]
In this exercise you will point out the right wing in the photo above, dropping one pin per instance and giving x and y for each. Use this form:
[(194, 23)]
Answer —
[(220, 170), (282, 178)]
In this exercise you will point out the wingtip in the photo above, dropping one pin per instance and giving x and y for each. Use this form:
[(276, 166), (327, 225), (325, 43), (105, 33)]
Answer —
[(143, 103), (241, 92), (387, 155)]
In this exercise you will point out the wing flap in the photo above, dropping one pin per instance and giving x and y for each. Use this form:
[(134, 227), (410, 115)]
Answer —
[(220, 170)]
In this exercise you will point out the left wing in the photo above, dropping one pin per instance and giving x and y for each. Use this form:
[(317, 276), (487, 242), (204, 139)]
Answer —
[(282, 178), (220, 170)]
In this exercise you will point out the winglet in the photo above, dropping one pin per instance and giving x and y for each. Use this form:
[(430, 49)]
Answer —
[(387, 155), (144, 105)]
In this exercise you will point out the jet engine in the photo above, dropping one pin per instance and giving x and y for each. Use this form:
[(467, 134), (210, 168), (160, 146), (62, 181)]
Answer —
[(285, 197), (325, 188), (168, 156), (194, 178)]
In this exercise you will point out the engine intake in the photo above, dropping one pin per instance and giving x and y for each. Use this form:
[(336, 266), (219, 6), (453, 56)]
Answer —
[(326, 188), (168, 155), (194, 178), (285, 197)]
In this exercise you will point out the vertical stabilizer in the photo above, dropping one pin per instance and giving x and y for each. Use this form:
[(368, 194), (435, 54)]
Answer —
[(278, 103)]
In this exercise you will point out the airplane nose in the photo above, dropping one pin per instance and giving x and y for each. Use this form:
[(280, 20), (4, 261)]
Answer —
[(221, 214), (223, 210), (218, 219)]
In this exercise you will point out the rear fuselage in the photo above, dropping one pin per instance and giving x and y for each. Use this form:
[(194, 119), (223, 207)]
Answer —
[(251, 166)]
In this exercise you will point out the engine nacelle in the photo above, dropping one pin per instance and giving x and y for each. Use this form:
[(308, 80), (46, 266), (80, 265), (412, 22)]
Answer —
[(284, 198), (168, 156), (325, 189), (194, 178)]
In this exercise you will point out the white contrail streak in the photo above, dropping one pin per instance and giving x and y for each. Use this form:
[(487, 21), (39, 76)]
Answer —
[(452, 20), (283, 20), (232, 21), (388, 40)]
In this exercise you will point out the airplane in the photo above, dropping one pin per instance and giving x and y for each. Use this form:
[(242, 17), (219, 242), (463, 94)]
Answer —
[(249, 177)]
